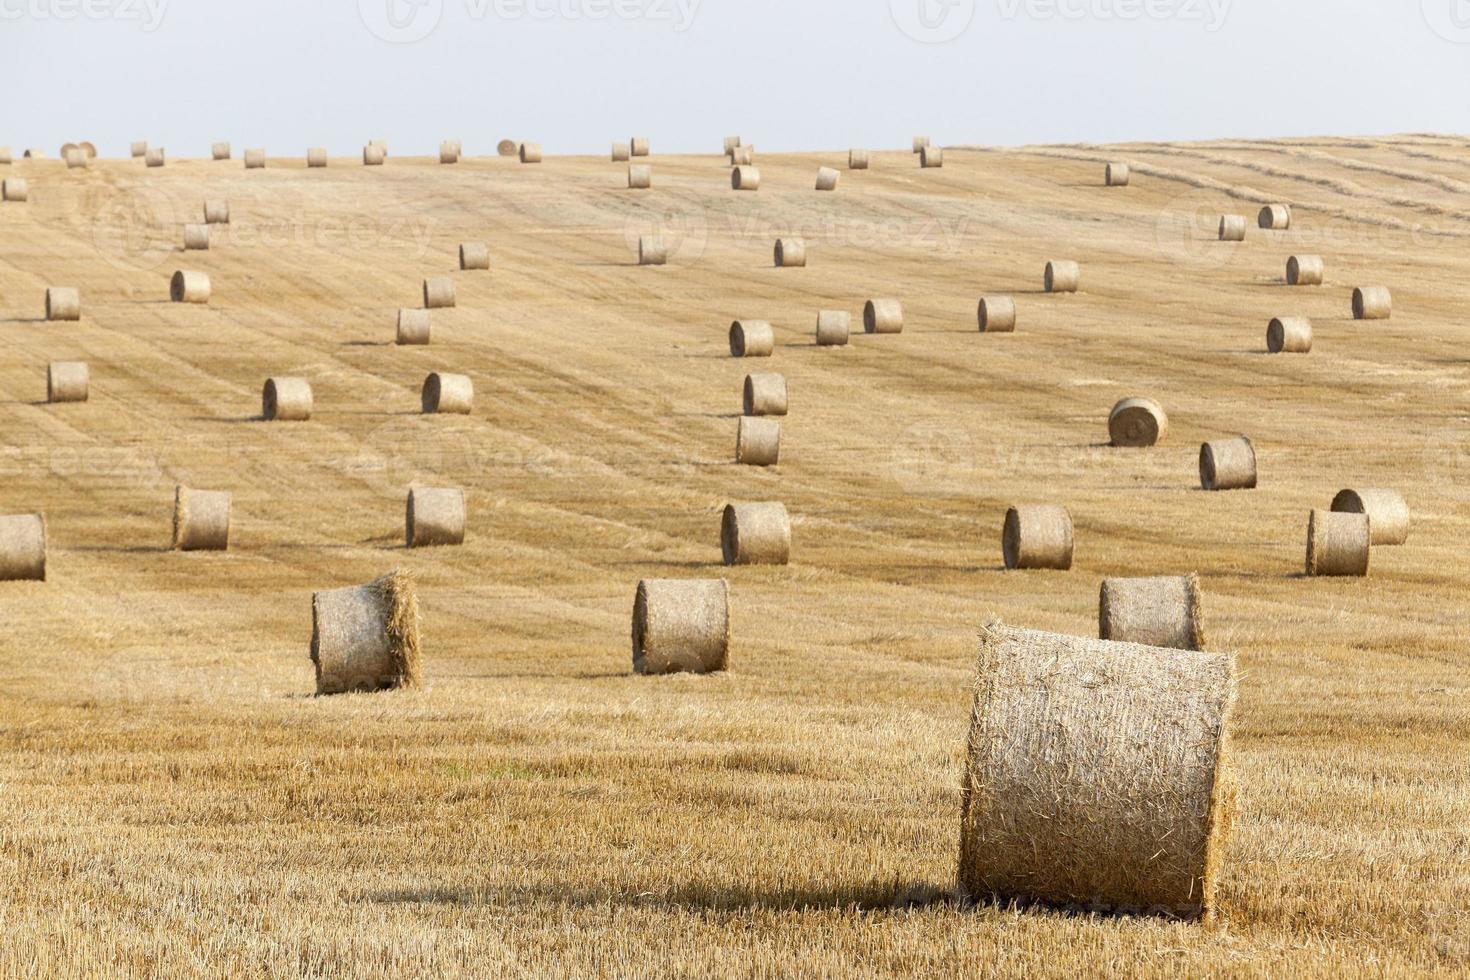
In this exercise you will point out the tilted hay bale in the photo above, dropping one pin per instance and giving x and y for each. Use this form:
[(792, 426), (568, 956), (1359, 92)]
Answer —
[(752, 338), (413, 328), (1117, 175), (745, 178), (1097, 775), (765, 394), (640, 177), (652, 250), (373, 155), (88, 149), (201, 519), (681, 626), (449, 151), (1338, 544), (63, 303), (883, 316), (858, 159), (76, 158), (1275, 217), (1062, 277), (530, 153), (1388, 513), (14, 189), (286, 400), (1372, 303), (1154, 612), (196, 238), (23, 548), (638, 145), (1227, 464), (155, 157), (255, 159), (920, 142), (834, 328), (66, 381), (621, 153), (189, 287), (931, 157), (827, 178), (220, 151), (366, 638), (1037, 536), (439, 293), (435, 517), (1304, 270), (216, 212), (743, 156), (1289, 335), (1232, 228), (138, 149), (997, 314), (507, 148), (474, 256), (316, 157), (790, 253), (755, 534), (447, 394), (758, 442), (1137, 423)]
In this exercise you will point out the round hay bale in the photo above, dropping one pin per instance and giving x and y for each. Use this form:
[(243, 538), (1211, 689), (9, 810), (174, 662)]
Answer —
[(755, 534), (201, 519), (15, 189), (1154, 612), (1097, 775), (449, 151), (155, 157), (640, 177), (447, 394), (790, 253), (6, 158), (23, 548), (765, 394), (435, 517), (366, 638), (745, 178), (681, 626), (758, 442), (752, 338), (1062, 277), (66, 381), (883, 316), (530, 153), (920, 142), (1037, 536), (1117, 174), (88, 149), (931, 157), (621, 153), (1372, 303), (63, 303), (1275, 217), (1388, 513), (1304, 270), (196, 238), (507, 148), (1289, 335), (373, 155), (1227, 464), (220, 151), (75, 158), (189, 287), (413, 328), (997, 314), (286, 400), (439, 293), (34, 154), (834, 327), (216, 212), (827, 178), (858, 159), (638, 146), (1232, 228), (1137, 423), (730, 143), (67, 148), (255, 159), (652, 250), (474, 257), (138, 149), (1338, 544), (316, 156), (742, 156)]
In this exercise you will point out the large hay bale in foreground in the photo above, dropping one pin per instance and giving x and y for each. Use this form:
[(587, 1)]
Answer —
[(413, 328), (201, 519), (752, 338), (255, 159), (530, 153), (435, 517), (439, 293), (1097, 774), (63, 303), (1372, 303), (1275, 217), (755, 534), (1338, 543), (758, 442), (790, 253), (1037, 536), (286, 400), (883, 316), (1388, 513), (931, 157), (196, 237), (834, 328), (1305, 270), (1062, 277), (681, 626), (474, 257), (67, 381), (827, 178), (15, 189), (366, 638), (1227, 464), (652, 250), (858, 159), (1155, 612), (316, 157), (23, 548), (1232, 228), (745, 178), (997, 314), (216, 212), (1137, 423), (640, 177), (220, 150), (189, 287), (1289, 335), (765, 394), (447, 394)]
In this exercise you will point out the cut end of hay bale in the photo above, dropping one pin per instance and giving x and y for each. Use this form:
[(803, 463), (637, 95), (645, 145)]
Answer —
[(189, 287), (448, 394), (1387, 511), (1227, 464), (507, 148), (681, 626), (1037, 536), (1137, 423), (790, 253), (755, 534), (1154, 612), (1372, 303), (366, 638)]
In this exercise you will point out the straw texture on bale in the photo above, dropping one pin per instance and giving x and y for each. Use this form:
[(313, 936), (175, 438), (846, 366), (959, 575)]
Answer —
[(834, 328), (286, 400), (1275, 217), (63, 303), (216, 212), (1137, 423), (155, 157), (366, 638), (920, 142), (1289, 335), (201, 519), (1372, 303), (745, 178), (755, 534), (67, 148), (681, 626), (189, 287), (931, 157), (373, 155), (1232, 228), (730, 143), (507, 148), (1304, 270), (14, 189), (652, 250), (1154, 612), (827, 178), (474, 256), (621, 153), (1097, 775), (449, 151), (1062, 277), (413, 328), (1117, 175), (196, 237), (138, 148), (883, 316), (1227, 464), (790, 253), (530, 153), (858, 159), (742, 156), (220, 151), (316, 157), (88, 149), (23, 548), (752, 338), (1037, 536), (438, 293), (638, 146), (640, 176), (1338, 544), (997, 314), (758, 442), (765, 394), (76, 157), (447, 394), (435, 517), (66, 381), (254, 159), (1388, 513)]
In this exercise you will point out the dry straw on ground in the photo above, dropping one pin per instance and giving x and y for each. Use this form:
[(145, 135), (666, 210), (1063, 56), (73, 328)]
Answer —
[(790, 253), (681, 626), (1232, 228), (1062, 277), (758, 442), (752, 338), (413, 328), (652, 250), (435, 516), (286, 400), (366, 638), (220, 151), (530, 153), (1372, 303), (1275, 217), (1137, 423), (834, 328), (189, 287), (827, 178), (447, 394), (1117, 175), (997, 314), (1338, 543), (857, 159), (1037, 536), (1228, 464), (216, 211), (67, 381), (1097, 775), (755, 534), (1305, 270), (196, 237), (745, 178), (439, 293), (474, 256), (640, 177), (63, 303), (1156, 612), (23, 548), (201, 519), (765, 394), (883, 316), (1289, 335), (1388, 513)]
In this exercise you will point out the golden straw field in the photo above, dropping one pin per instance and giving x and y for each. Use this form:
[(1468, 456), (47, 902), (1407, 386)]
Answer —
[(174, 801)]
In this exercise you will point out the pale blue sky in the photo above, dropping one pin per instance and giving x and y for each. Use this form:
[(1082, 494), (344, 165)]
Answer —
[(784, 74)]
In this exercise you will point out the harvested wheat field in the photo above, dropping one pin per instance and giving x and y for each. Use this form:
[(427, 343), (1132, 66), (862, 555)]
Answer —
[(177, 801)]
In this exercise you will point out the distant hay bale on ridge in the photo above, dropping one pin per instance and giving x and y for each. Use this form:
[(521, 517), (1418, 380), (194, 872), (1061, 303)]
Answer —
[(530, 153), (745, 179), (639, 146), (640, 177), (827, 178), (1117, 175), (931, 157), (507, 148), (858, 159), (220, 151), (366, 638), (216, 212), (255, 159), (681, 626), (316, 157), (621, 153), (155, 157)]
